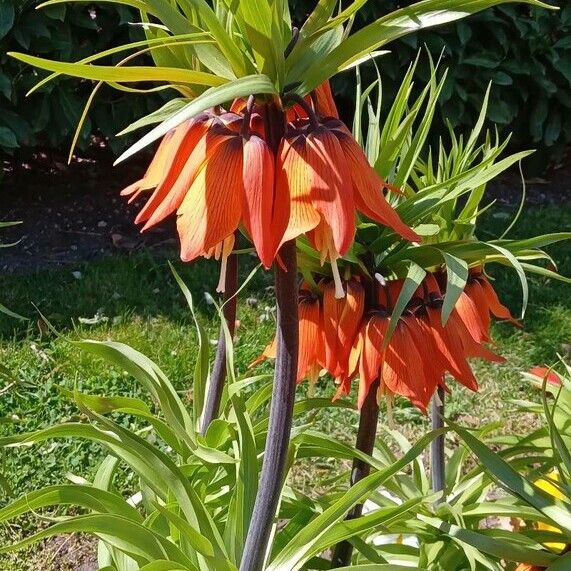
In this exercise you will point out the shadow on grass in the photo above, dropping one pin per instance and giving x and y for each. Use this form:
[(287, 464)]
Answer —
[(113, 289)]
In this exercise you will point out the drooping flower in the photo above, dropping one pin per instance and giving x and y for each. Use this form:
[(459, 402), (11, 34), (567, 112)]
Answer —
[(311, 342), (405, 365), (216, 175), (413, 362), (341, 322), (452, 342), (477, 303), (328, 179), (543, 373)]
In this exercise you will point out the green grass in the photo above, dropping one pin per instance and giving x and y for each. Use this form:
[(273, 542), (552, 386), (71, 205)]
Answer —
[(137, 302)]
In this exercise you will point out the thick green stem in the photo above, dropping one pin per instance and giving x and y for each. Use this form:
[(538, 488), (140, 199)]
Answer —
[(218, 377), (437, 459), (281, 413), (368, 419)]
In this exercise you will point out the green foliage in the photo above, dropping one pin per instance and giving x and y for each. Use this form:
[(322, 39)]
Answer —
[(64, 33), (194, 495), (525, 53)]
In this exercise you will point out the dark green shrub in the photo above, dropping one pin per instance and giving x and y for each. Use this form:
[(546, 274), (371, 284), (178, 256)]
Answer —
[(68, 33)]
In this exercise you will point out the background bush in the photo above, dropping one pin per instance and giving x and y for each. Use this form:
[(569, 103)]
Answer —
[(67, 33), (525, 52)]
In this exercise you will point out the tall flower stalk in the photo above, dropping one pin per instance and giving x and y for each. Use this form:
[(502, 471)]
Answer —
[(366, 434), (437, 457), (218, 376), (283, 395)]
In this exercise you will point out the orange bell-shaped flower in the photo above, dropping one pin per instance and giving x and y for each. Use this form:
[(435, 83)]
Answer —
[(341, 322), (328, 179), (216, 175), (311, 342)]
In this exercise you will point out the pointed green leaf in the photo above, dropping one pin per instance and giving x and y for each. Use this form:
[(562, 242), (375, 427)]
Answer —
[(456, 278), (243, 87)]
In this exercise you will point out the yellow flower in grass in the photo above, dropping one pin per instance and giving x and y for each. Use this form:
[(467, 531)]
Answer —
[(547, 485)]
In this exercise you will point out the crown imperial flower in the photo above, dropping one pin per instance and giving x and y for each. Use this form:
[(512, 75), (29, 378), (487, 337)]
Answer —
[(219, 175)]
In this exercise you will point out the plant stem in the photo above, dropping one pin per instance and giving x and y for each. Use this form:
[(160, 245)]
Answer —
[(366, 434), (281, 413), (437, 461), (218, 378)]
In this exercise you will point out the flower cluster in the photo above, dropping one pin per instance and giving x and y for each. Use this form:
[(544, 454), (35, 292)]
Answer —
[(220, 174), (349, 337)]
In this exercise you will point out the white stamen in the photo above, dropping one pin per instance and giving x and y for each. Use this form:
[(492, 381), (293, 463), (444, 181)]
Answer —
[(339, 291), (221, 288), (380, 279), (223, 250)]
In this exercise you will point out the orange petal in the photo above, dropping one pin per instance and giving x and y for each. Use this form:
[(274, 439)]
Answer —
[(470, 315), (265, 213), (158, 166), (500, 311), (448, 345), (368, 187), (476, 294), (269, 352), (433, 366), (238, 105), (471, 347), (325, 102), (545, 373), (371, 354), (292, 176), (188, 157), (212, 208), (344, 382), (341, 322), (310, 338), (403, 368), (164, 156), (331, 189)]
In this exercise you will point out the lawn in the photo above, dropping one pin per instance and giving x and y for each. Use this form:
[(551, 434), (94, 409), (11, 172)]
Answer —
[(134, 299)]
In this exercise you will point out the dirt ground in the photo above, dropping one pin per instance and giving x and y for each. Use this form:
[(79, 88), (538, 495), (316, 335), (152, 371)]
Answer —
[(74, 213), (70, 213)]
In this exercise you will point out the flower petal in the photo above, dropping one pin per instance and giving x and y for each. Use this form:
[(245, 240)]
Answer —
[(371, 355), (368, 187), (266, 213), (292, 175), (325, 102), (212, 208), (403, 368), (496, 307), (331, 189), (341, 322), (470, 315), (188, 158), (310, 339)]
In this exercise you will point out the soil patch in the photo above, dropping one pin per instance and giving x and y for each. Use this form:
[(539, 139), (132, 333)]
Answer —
[(71, 214)]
